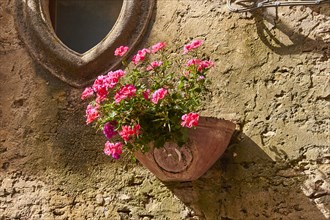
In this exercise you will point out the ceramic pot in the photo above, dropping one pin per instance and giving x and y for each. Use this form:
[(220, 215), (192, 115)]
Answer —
[(187, 163)]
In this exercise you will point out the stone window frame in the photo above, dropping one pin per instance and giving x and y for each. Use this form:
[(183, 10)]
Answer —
[(78, 70)]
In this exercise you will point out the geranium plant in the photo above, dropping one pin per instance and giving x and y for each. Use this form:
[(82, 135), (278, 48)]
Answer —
[(153, 101)]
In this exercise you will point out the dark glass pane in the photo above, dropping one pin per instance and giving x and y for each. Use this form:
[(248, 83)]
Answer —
[(81, 24)]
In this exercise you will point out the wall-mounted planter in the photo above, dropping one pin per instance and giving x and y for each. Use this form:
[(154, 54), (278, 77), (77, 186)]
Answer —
[(34, 24), (206, 144)]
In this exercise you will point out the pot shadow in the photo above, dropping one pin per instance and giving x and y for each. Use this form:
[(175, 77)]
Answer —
[(282, 39), (246, 183)]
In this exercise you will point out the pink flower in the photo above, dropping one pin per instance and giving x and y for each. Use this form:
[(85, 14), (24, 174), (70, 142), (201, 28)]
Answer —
[(137, 58), (100, 88), (113, 149), (154, 65), (201, 65), (205, 64), (201, 78), (109, 130), (127, 91), (128, 131), (146, 94), (186, 74), (103, 83), (113, 78), (192, 45), (193, 62), (189, 120), (88, 92), (136, 129), (116, 74), (140, 56), (120, 51), (91, 113), (158, 95), (155, 48)]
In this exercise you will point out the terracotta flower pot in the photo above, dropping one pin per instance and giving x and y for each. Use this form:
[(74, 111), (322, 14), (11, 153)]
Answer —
[(206, 144)]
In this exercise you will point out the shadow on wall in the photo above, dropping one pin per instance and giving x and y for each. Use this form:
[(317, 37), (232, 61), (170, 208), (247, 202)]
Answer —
[(247, 184), (282, 39), (74, 144)]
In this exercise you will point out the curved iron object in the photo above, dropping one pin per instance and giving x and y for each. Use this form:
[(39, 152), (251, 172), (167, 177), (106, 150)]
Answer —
[(250, 5)]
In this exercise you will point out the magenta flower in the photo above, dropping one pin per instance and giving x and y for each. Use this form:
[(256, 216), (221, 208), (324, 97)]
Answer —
[(120, 51), (113, 149), (91, 113), (192, 45), (146, 94), (127, 91), (109, 130), (140, 56), (157, 47), (158, 95), (154, 65), (189, 120), (88, 92)]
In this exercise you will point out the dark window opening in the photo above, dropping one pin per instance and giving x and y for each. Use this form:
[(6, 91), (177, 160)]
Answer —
[(82, 24)]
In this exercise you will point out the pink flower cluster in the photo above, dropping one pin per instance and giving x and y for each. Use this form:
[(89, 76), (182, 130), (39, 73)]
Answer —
[(200, 64), (127, 91), (157, 47), (154, 65), (88, 92), (158, 95), (205, 64), (121, 51), (113, 149), (192, 45), (128, 131), (102, 84), (116, 97), (140, 56), (189, 120), (91, 113)]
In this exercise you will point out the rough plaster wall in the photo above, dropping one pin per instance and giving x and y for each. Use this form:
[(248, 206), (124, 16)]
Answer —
[(272, 76)]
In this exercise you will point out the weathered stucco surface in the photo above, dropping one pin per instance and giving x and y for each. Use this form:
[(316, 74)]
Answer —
[(272, 76)]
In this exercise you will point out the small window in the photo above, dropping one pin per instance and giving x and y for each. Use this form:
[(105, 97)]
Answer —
[(82, 24), (75, 40)]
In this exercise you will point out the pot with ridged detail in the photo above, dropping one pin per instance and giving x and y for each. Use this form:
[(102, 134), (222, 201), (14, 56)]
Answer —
[(187, 163)]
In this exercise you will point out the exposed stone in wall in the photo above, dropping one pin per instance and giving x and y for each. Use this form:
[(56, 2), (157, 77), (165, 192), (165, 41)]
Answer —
[(272, 75)]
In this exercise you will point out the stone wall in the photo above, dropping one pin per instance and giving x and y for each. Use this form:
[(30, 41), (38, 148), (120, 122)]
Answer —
[(271, 76)]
